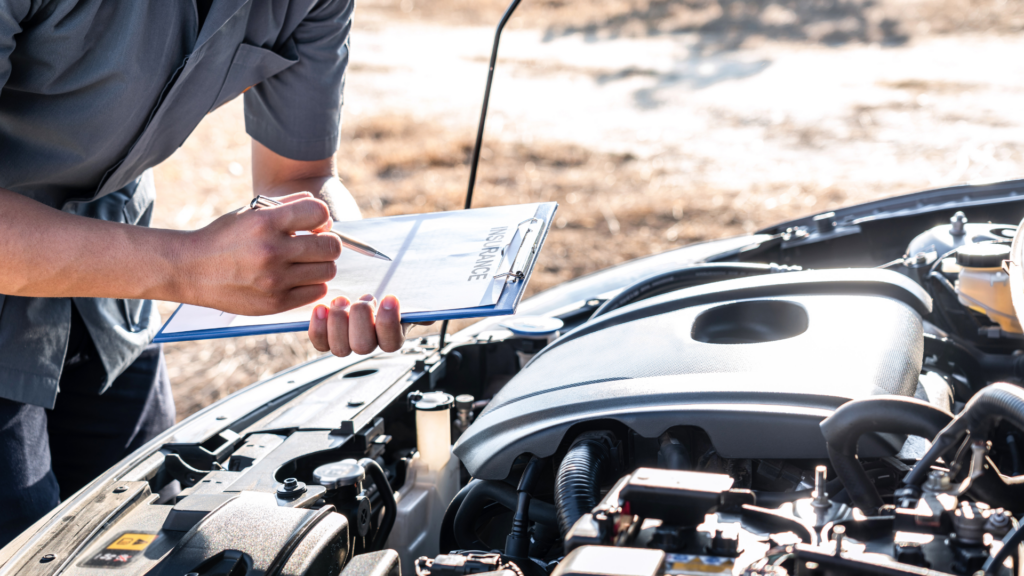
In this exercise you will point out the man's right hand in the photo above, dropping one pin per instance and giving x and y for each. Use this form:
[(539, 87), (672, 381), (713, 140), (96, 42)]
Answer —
[(253, 262)]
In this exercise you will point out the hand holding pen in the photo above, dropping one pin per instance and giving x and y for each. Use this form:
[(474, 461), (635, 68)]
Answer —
[(347, 241), (346, 326)]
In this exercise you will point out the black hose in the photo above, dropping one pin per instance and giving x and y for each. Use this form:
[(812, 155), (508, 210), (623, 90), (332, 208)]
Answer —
[(576, 486), (998, 402), (387, 496), (517, 545), (673, 455), (1011, 443), (683, 278), (493, 491), (447, 540), (843, 429)]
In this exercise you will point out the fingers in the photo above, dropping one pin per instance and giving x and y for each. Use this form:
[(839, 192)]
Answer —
[(338, 327), (346, 327), (326, 227), (298, 297), (299, 196), (318, 329), (298, 215), (390, 334), (362, 335), (313, 248)]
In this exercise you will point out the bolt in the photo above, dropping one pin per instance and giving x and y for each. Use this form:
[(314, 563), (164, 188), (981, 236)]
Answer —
[(291, 489), (120, 489), (839, 534), (820, 491), (998, 523), (956, 224), (222, 417), (47, 558), (355, 402), (938, 481)]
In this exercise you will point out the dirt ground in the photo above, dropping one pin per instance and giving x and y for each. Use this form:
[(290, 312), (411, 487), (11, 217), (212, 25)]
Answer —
[(640, 196)]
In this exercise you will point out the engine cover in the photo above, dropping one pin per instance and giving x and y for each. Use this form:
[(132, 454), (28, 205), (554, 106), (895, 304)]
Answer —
[(756, 363)]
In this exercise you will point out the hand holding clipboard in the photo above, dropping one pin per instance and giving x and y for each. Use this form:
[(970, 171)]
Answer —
[(446, 265)]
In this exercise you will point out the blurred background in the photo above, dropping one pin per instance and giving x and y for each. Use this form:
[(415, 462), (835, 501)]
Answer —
[(653, 123)]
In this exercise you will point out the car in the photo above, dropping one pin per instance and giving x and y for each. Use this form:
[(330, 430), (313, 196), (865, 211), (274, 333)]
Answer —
[(833, 395), (769, 402)]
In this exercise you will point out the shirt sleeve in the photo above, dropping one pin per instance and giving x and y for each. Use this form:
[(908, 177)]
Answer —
[(297, 112), (12, 14)]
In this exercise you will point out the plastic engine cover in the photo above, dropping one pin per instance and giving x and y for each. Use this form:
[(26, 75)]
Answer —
[(756, 373)]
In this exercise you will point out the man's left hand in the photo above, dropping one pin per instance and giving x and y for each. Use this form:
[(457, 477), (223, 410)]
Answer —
[(361, 326)]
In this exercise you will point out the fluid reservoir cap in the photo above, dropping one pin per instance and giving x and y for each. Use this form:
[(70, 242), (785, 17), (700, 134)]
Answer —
[(337, 474), (464, 402), (534, 326), (982, 255), (432, 401)]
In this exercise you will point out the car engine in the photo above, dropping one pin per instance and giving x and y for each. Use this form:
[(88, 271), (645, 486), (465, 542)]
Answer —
[(835, 396)]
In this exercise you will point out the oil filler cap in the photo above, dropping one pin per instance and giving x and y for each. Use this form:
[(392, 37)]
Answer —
[(982, 255)]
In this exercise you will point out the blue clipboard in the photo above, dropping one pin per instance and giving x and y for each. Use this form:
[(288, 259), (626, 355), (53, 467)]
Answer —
[(535, 232)]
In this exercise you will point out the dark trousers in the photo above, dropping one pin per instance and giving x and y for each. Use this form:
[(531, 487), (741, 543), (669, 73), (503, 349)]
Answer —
[(48, 455)]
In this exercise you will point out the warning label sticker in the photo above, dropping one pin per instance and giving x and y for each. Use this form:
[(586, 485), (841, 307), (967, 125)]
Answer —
[(121, 550)]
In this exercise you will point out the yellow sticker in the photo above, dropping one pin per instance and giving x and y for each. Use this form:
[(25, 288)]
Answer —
[(129, 541)]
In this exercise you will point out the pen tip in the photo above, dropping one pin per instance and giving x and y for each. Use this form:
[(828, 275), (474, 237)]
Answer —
[(383, 257)]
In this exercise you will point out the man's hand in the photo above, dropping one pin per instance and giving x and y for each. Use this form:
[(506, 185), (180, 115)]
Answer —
[(344, 326), (252, 262), (359, 326)]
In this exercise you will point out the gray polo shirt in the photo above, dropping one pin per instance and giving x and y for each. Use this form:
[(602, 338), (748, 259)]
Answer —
[(93, 93)]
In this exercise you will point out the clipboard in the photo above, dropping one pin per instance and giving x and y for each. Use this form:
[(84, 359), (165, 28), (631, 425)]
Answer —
[(533, 231)]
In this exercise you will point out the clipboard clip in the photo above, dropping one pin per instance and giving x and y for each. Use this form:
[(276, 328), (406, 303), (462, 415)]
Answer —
[(514, 276), (524, 257)]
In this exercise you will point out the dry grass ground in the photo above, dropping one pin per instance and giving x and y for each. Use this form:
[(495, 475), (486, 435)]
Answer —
[(613, 207)]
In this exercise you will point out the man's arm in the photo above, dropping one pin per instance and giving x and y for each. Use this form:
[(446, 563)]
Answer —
[(49, 253), (246, 262), (275, 175)]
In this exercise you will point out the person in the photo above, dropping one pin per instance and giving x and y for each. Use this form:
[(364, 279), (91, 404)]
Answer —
[(93, 94)]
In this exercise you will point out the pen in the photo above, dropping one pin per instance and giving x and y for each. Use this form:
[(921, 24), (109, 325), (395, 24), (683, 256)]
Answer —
[(346, 241)]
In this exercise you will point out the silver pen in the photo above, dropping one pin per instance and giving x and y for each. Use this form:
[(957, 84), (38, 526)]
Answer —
[(346, 241)]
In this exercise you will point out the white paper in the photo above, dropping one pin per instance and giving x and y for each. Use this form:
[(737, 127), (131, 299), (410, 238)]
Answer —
[(440, 261)]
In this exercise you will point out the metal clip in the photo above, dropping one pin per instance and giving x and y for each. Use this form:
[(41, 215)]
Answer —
[(526, 251), (514, 276)]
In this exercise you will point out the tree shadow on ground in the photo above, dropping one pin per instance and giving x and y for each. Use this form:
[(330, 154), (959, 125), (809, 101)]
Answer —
[(726, 24), (711, 31)]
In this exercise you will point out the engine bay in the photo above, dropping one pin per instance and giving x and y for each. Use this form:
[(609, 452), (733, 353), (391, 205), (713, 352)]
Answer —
[(803, 404)]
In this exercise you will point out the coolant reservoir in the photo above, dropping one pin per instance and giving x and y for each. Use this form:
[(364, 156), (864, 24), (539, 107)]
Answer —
[(432, 481), (434, 428), (984, 286)]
